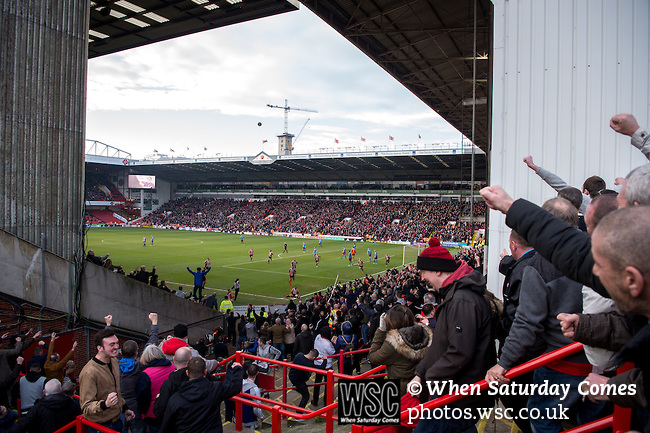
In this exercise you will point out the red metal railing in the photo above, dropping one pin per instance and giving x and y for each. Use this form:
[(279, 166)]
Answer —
[(78, 424), (280, 409), (620, 419)]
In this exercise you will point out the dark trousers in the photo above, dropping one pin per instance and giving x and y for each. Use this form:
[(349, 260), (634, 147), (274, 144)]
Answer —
[(200, 289), (301, 388), (320, 377)]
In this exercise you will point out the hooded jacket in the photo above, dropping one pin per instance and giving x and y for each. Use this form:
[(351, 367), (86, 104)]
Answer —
[(401, 350), (49, 414), (130, 370), (194, 408), (462, 349), (31, 389), (250, 414)]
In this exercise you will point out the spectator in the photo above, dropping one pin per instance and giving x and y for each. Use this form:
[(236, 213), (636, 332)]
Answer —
[(251, 330), (462, 357), (289, 338), (55, 366), (7, 418), (50, 413), (172, 344), (512, 266), (590, 188), (300, 377), (174, 381), (195, 407), (607, 264), (348, 342), (143, 275), (100, 396), (304, 341), (545, 293), (400, 344), (130, 371), (198, 281), (251, 417), (155, 370), (325, 347), (8, 376), (31, 388), (277, 333), (265, 350), (92, 258)]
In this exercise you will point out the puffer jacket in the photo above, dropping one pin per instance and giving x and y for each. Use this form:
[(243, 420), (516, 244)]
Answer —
[(401, 350)]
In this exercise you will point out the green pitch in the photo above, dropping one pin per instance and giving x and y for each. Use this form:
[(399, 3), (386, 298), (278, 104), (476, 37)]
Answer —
[(261, 281)]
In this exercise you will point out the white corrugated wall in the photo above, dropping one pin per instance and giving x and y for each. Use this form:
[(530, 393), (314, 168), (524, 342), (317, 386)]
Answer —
[(561, 70)]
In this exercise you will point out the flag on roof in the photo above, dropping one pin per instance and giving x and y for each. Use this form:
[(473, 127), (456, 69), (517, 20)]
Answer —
[(171, 150), (390, 137), (265, 141), (336, 140), (205, 148), (419, 136), (155, 151), (363, 139)]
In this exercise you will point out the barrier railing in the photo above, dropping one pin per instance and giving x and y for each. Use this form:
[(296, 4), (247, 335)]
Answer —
[(78, 424), (280, 409), (620, 419)]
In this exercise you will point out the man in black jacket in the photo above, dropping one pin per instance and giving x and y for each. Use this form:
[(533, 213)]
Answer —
[(50, 413), (195, 407), (299, 377), (616, 264), (304, 341), (512, 267), (462, 349)]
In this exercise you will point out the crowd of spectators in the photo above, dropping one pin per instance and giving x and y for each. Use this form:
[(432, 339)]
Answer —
[(322, 186), (384, 221)]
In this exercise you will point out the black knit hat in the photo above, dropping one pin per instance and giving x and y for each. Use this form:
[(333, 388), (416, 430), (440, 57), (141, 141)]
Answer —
[(436, 258), (180, 331)]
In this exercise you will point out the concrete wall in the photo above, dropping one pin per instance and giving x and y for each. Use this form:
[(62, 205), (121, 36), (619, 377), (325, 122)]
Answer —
[(102, 291), (21, 267), (130, 302), (561, 69), (43, 57)]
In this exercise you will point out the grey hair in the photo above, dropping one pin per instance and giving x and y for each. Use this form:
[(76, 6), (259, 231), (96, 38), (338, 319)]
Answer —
[(151, 353), (53, 386), (637, 186)]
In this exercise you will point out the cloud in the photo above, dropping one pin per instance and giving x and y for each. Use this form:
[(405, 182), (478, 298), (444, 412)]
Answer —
[(212, 88)]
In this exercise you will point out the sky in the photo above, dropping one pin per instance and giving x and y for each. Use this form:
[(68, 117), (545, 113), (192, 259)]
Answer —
[(210, 91)]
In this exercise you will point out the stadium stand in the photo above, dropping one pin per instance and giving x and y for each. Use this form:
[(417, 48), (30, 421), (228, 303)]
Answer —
[(405, 221)]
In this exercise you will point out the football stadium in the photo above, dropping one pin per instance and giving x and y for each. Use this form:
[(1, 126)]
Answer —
[(496, 283)]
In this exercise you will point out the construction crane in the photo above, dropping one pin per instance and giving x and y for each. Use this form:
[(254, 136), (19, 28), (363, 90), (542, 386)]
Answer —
[(298, 136), (286, 109)]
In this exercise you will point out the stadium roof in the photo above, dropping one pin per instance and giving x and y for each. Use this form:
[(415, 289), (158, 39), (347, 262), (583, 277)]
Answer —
[(443, 164), (117, 25), (428, 46)]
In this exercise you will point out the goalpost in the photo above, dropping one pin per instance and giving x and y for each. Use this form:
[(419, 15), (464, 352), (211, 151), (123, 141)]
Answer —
[(411, 252)]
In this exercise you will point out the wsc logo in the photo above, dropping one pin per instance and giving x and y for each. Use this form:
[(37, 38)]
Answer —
[(369, 401)]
